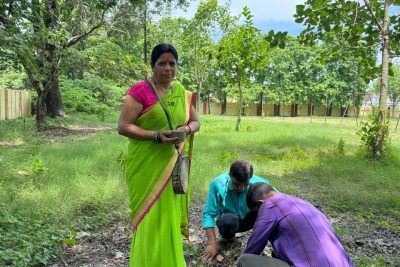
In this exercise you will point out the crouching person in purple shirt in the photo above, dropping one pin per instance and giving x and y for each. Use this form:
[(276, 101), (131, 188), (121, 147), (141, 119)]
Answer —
[(300, 234)]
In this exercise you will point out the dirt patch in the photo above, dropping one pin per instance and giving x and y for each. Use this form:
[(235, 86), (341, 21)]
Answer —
[(53, 134), (16, 143), (73, 130), (110, 246)]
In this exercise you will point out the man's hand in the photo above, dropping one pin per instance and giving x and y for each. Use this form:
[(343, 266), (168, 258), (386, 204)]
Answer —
[(210, 251)]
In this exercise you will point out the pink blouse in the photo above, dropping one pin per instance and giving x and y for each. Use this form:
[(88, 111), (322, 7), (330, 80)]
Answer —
[(143, 93)]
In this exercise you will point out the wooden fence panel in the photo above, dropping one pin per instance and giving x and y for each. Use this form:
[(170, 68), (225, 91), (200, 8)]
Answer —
[(14, 104), (2, 105)]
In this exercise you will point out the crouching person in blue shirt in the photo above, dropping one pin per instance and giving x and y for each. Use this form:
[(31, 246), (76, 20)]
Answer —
[(226, 205)]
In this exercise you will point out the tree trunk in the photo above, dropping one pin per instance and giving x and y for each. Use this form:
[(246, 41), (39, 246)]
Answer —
[(262, 104), (223, 111), (240, 108), (145, 38), (53, 98), (40, 109), (209, 105), (385, 60), (199, 87)]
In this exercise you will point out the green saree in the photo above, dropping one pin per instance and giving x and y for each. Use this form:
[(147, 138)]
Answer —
[(160, 217)]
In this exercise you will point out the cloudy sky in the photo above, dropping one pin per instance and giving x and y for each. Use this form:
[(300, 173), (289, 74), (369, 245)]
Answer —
[(268, 14)]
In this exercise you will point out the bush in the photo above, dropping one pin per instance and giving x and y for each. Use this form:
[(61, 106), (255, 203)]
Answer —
[(14, 79), (92, 96), (375, 136)]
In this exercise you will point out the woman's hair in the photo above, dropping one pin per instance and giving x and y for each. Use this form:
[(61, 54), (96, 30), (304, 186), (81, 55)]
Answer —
[(256, 193), (160, 49), (241, 170)]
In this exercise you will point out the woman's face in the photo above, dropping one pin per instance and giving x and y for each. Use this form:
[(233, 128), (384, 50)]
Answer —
[(165, 68)]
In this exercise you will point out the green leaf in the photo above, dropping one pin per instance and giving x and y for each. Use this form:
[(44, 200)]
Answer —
[(299, 9)]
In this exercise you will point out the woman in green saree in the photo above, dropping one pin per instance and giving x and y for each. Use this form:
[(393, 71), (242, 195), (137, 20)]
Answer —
[(160, 216)]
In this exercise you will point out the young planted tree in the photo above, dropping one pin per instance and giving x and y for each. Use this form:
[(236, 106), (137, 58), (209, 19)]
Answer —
[(242, 51), (198, 46)]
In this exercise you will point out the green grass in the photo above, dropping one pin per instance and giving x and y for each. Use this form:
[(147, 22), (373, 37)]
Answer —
[(302, 157), (52, 186)]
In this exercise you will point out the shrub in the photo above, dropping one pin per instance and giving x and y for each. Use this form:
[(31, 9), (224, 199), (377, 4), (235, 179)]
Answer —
[(375, 136), (91, 95)]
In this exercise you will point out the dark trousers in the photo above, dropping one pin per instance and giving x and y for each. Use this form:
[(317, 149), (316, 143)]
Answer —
[(250, 260), (229, 224)]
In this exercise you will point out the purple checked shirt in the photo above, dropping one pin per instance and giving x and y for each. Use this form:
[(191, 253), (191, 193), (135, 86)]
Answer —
[(299, 233)]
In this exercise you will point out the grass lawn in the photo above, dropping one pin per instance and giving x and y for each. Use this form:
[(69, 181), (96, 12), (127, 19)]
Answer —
[(52, 185)]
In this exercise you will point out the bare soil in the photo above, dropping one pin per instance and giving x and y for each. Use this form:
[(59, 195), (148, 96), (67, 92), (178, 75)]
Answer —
[(110, 246)]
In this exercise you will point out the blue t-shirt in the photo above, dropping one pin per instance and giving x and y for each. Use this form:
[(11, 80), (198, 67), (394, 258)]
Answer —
[(223, 198)]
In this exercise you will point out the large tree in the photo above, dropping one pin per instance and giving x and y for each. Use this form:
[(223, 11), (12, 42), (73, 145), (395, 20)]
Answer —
[(363, 25), (37, 33)]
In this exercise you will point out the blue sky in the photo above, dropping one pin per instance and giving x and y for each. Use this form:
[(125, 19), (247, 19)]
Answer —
[(268, 14)]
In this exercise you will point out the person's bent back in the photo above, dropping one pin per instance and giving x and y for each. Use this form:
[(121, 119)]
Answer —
[(300, 234)]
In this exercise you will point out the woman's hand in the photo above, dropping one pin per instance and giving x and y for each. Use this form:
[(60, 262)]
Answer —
[(164, 136), (186, 128)]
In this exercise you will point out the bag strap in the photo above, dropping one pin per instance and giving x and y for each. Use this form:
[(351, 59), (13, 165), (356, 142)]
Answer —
[(161, 103), (191, 134)]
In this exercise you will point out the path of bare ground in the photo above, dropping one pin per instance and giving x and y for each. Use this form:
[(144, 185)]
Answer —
[(110, 246), (54, 134)]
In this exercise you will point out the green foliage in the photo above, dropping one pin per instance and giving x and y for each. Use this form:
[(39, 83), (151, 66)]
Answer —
[(57, 188), (35, 237), (191, 251), (340, 147), (374, 135), (92, 96), (198, 48), (347, 21), (37, 166), (241, 52), (70, 240), (356, 29), (13, 79), (377, 261)]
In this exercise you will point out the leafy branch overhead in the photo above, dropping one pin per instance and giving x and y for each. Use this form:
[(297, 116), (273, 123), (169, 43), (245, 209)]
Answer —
[(363, 29), (350, 22)]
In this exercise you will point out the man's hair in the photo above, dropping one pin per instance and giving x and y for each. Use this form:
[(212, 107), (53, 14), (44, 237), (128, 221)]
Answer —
[(241, 170), (256, 192), (160, 49)]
